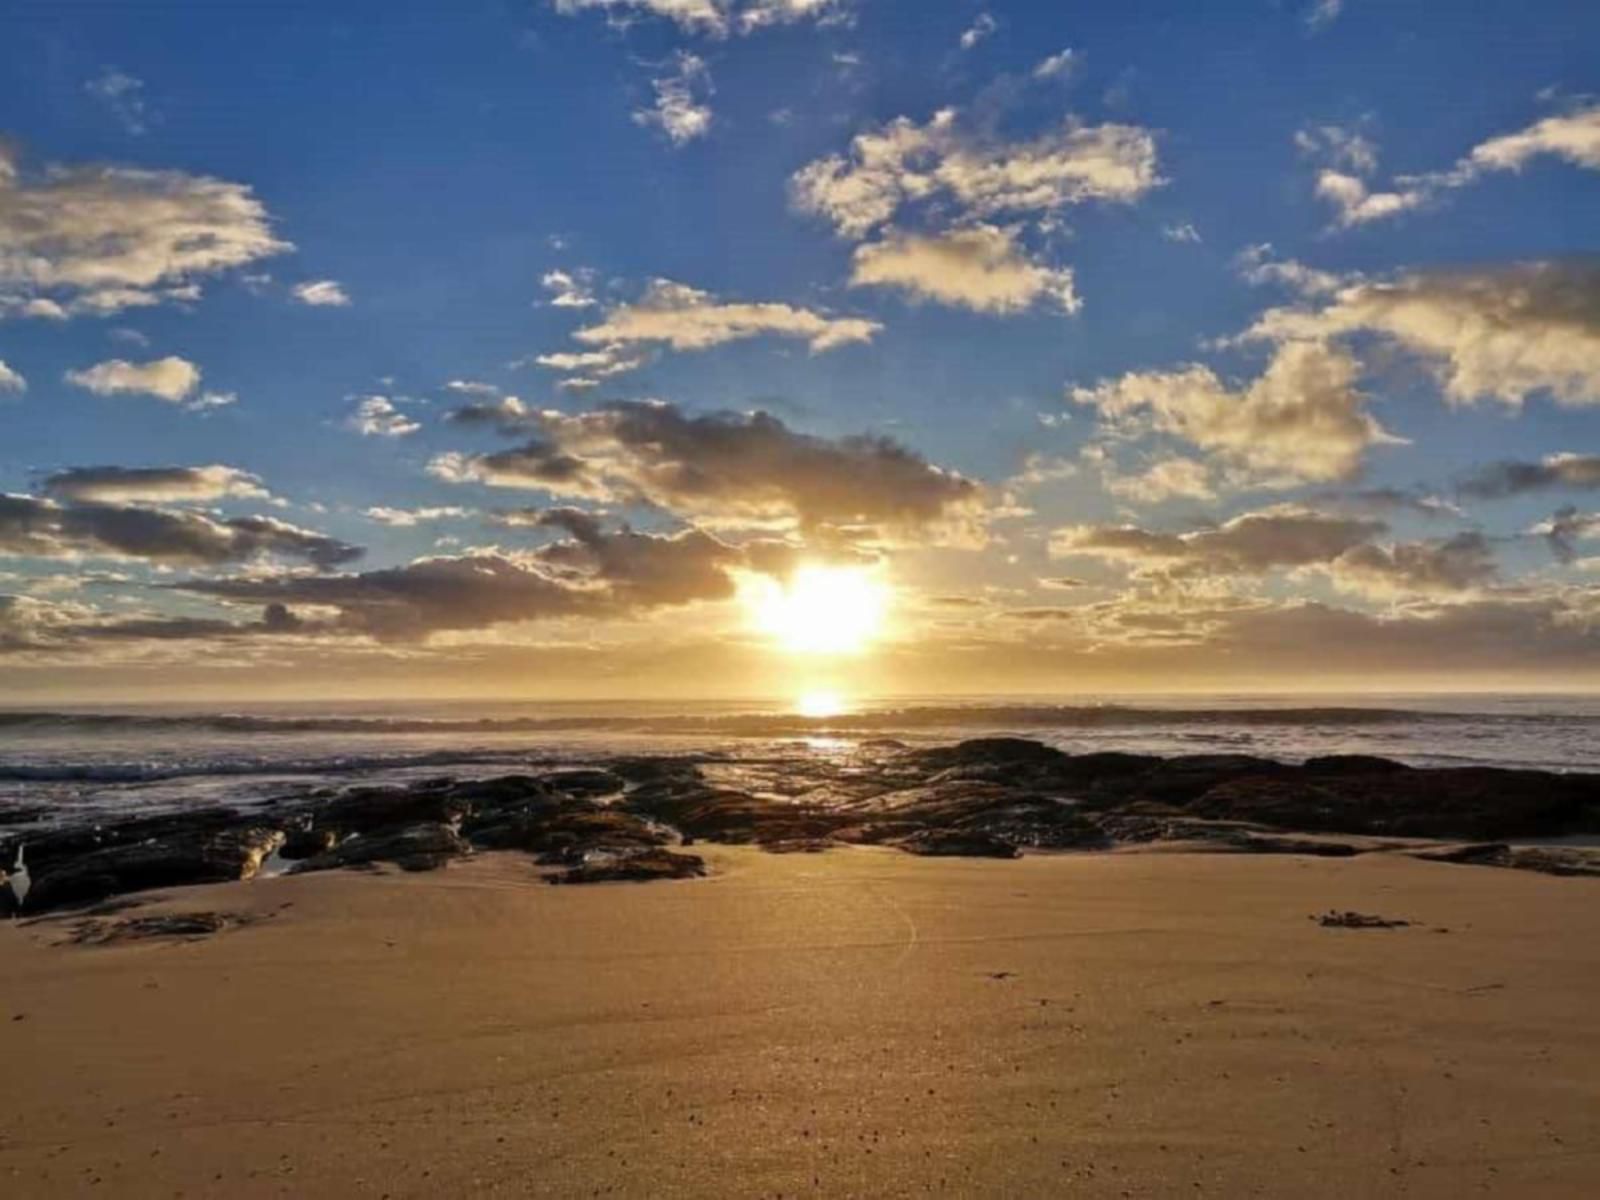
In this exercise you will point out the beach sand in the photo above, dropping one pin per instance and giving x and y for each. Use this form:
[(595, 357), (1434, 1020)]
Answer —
[(856, 1023)]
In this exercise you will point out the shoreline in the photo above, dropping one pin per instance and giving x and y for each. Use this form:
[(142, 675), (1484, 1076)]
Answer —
[(1150, 1021)]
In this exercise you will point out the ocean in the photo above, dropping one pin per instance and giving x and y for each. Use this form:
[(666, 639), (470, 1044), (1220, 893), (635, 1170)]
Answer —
[(60, 762)]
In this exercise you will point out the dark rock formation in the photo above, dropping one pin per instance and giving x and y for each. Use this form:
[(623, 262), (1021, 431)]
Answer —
[(644, 867), (176, 926), (425, 846), (174, 860), (952, 843)]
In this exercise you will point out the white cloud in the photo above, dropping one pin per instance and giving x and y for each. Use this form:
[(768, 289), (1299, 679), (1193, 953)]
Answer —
[(1183, 231), (1302, 420), (980, 267), (170, 379), (1171, 478), (11, 380), (681, 110), (1323, 13), (569, 289), (123, 97), (1572, 136), (377, 416), (904, 162), (1497, 332), (100, 239), (321, 293), (407, 518), (685, 318), (982, 27), (718, 18), (1057, 66)]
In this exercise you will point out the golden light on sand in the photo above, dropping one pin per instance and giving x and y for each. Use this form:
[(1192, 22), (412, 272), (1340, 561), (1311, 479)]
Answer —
[(820, 704), (821, 609)]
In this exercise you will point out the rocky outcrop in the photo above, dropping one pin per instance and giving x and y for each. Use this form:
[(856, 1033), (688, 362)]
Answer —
[(174, 860), (990, 797), (646, 866), (425, 846)]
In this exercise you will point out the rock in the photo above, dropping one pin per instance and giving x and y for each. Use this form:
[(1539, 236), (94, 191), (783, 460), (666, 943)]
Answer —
[(561, 823), (1356, 920), (586, 781), (1478, 803), (176, 860), (362, 810), (304, 843), (1549, 860), (1353, 764), (643, 867), (425, 846), (944, 843), (184, 926)]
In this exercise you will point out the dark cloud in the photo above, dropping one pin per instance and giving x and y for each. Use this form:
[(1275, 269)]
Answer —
[(718, 468), (1458, 564), (1280, 537), (1566, 527), (1578, 472), (587, 573), (33, 527), (154, 485)]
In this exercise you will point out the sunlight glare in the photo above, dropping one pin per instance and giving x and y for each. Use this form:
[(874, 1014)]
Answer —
[(821, 609), (819, 704)]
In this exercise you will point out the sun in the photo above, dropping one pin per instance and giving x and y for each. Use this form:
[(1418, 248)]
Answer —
[(821, 609)]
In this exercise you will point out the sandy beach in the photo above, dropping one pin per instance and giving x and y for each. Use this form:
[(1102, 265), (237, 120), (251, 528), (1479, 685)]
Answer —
[(859, 1022)]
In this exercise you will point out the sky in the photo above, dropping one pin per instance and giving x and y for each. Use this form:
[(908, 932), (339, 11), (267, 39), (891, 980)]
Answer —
[(582, 348)]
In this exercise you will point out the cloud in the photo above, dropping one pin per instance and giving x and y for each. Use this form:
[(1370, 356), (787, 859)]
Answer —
[(10, 380), (1500, 332), (377, 416), (170, 379), (1284, 536), (982, 28), (123, 97), (99, 239), (407, 518), (590, 574), (153, 485), (1057, 66), (570, 289), (685, 318), (1357, 204), (1183, 231), (1462, 563), (1322, 13), (1301, 420), (718, 18), (681, 110), (1510, 477), (594, 364), (981, 268), (32, 527), (903, 162), (1171, 478), (726, 468), (321, 293), (1564, 528), (1573, 137)]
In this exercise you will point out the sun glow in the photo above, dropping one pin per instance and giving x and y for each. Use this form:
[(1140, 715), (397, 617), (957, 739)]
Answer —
[(820, 704), (821, 609)]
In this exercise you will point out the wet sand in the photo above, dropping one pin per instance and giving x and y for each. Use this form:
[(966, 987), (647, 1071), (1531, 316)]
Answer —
[(859, 1022)]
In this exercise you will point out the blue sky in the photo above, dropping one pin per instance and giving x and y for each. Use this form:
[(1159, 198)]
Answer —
[(1279, 280)]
